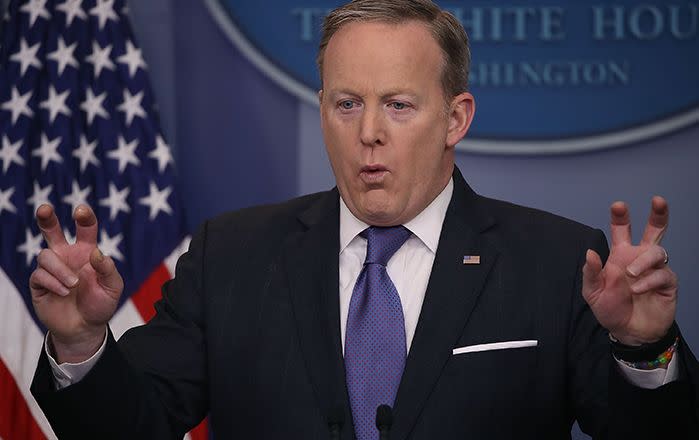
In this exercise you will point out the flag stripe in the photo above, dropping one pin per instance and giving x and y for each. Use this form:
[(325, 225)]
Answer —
[(126, 317), (171, 260), (20, 345), (149, 292), (18, 422), (201, 432)]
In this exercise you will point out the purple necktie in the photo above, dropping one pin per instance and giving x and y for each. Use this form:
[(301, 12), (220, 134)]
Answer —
[(375, 348)]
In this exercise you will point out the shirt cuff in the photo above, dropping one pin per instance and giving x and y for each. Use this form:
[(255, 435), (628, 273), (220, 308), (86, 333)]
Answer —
[(67, 374), (650, 379)]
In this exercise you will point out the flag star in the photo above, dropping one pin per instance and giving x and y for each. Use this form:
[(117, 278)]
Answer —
[(93, 105), (77, 196), (48, 151), (157, 200), (35, 9), (5, 202), (18, 105), (125, 154), (132, 106), (110, 245), (56, 103), (40, 196), (31, 246), (63, 55), (100, 58), (86, 153), (104, 10), (161, 153), (116, 201), (26, 56), (133, 58), (9, 154), (72, 9)]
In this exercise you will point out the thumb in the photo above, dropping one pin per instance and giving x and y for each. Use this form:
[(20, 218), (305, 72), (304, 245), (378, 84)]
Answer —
[(592, 280), (107, 275)]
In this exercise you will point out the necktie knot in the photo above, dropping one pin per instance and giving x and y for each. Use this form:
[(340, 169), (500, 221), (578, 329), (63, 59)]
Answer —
[(383, 242)]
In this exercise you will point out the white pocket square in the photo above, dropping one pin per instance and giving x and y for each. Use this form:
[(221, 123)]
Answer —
[(495, 346)]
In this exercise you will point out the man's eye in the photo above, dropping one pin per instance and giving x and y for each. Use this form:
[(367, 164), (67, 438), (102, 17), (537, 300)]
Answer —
[(399, 105), (347, 105)]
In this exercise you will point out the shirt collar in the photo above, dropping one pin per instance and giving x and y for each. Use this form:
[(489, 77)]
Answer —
[(427, 225)]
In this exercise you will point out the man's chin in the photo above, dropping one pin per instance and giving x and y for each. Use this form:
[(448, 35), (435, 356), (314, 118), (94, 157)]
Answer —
[(380, 213)]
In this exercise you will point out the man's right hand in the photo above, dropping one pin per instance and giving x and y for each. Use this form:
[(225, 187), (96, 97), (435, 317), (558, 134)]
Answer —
[(75, 288)]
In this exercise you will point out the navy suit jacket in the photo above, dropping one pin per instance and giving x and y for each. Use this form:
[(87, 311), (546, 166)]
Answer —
[(249, 330)]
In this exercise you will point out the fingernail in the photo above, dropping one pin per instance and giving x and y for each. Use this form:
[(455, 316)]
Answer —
[(632, 270), (72, 281), (63, 291), (100, 256), (636, 288)]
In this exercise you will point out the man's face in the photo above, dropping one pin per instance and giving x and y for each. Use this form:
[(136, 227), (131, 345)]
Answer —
[(389, 134)]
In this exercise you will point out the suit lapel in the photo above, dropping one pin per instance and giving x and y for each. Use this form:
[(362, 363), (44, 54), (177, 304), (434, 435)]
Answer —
[(451, 295), (311, 262)]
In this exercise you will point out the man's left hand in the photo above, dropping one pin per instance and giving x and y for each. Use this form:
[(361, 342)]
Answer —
[(634, 295)]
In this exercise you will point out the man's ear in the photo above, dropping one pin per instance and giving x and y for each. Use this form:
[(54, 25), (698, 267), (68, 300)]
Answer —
[(461, 111)]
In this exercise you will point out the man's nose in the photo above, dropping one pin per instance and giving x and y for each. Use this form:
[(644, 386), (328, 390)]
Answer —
[(372, 130)]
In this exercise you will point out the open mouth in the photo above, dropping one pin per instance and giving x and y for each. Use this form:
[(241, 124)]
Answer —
[(373, 174)]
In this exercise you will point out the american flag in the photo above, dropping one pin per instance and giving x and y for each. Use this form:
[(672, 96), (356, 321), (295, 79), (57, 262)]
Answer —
[(78, 124), (472, 259)]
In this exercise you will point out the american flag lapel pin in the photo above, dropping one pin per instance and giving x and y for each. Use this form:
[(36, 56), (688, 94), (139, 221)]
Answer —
[(472, 259)]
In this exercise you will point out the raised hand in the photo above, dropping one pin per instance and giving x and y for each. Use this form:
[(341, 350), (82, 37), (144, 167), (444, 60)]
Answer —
[(75, 288), (634, 295)]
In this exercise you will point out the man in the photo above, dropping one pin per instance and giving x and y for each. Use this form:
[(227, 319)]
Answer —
[(471, 318)]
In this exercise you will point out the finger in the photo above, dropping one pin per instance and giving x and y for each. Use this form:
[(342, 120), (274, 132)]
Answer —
[(657, 221), (41, 283), (592, 274), (653, 257), (50, 226), (107, 274), (661, 280), (620, 224), (85, 225), (54, 265)]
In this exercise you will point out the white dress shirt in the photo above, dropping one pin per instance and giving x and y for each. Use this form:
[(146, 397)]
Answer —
[(409, 268)]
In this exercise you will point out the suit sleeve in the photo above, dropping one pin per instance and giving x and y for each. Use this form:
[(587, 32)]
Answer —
[(606, 405), (152, 383)]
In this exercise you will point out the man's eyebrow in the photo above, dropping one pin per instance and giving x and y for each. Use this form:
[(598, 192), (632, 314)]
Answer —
[(335, 92), (394, 92), (384, 94)]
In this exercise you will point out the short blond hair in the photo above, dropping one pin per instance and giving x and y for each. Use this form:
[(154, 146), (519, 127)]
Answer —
[(445, 28)]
